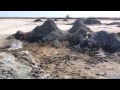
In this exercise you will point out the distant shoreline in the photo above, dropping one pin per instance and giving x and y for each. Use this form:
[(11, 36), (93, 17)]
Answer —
[(109, 18)]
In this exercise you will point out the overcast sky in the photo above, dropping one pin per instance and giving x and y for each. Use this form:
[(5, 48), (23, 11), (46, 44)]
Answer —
[(59, 13)]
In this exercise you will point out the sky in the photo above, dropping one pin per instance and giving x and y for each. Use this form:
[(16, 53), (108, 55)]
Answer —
[(59, 13)]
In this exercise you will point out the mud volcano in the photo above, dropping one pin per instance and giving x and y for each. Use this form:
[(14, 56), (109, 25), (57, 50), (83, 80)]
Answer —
[(114, 23), (118, 34), (79, 32), (38, 20), (78, 20), (83, 37), (65, 19), (79, 24), (47, 32), (90, 21), (109, 42), (55, 19), (20, 35)]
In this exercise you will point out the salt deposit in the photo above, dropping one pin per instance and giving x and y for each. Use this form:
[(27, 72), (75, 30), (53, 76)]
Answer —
[(101, 53), (16, 44)]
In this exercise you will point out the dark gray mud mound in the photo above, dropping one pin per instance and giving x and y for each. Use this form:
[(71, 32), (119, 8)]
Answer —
[(18, 35), (90, 21), (38, 20), (78, 24), (109, 42), (79, 36), (56, 19), (47, 32), (65, 19), (79, 32), (114, 23), (118, 34), (79, 20), (118, 26)]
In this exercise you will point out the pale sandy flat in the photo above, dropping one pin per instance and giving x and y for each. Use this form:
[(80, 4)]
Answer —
[(108, 28), (11, 26), (108, 21)]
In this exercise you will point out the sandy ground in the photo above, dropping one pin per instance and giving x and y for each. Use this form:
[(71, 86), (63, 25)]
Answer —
[(11, 26), (108, 28)]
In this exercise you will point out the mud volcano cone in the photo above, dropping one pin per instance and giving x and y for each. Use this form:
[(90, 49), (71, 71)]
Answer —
[(65, 19), (90, 21), (118, 26), (79, 20), (38, 20), (78, 24), (55, 19), (118, 34), (20, 35), (47, 32), (110, 42), (79, 32)]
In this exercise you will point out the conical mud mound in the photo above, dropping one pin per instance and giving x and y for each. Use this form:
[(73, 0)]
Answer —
[(90, 21), (47, 32), (78, 24), (38, 20), (109, 42), (56, 19), (79, 32), (65, 19)]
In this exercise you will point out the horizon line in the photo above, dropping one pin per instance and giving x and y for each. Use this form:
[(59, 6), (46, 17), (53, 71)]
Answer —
[(54, 17)]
